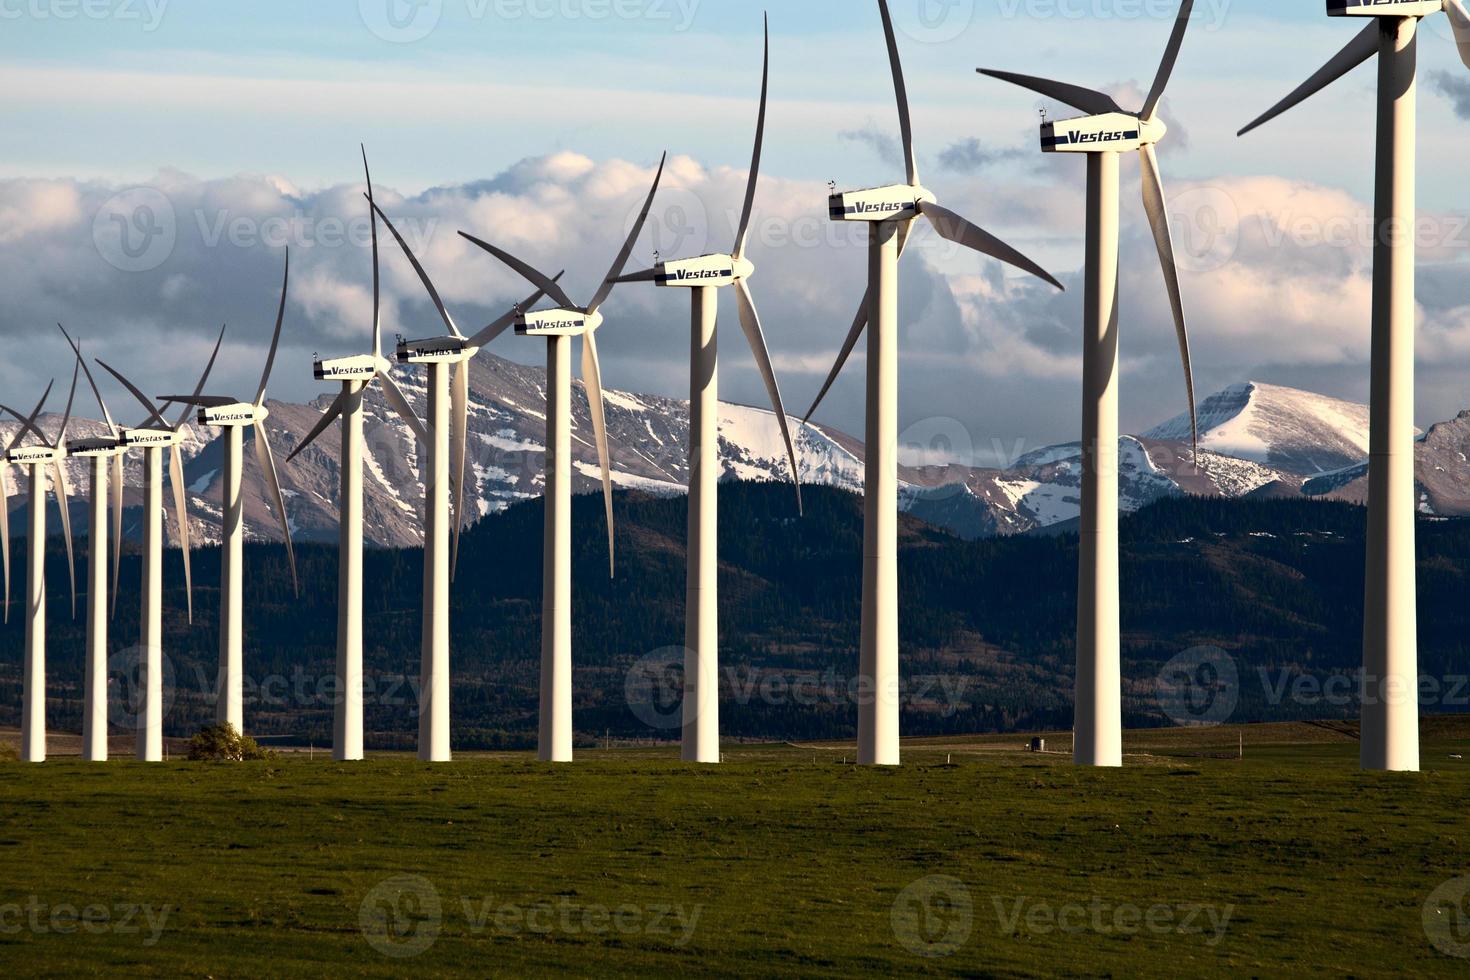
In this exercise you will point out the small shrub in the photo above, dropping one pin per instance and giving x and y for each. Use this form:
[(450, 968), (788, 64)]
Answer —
[(221, 743)]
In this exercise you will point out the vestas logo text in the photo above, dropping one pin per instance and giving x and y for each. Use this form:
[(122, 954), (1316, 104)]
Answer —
[(233, 417), (686, 274), (1113, 137), (884, 207)]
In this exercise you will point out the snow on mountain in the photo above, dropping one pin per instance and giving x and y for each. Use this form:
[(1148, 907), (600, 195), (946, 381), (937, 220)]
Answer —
[(1287, 429)]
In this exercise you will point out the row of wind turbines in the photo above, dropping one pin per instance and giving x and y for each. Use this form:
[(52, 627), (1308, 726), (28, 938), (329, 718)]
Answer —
[(1102, 134)]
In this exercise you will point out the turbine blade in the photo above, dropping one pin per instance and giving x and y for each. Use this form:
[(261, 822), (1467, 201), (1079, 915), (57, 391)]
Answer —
[(901, 93), (5, 531), (646, 275), (859, 323), (1158, 219), (1166, 66), (203, 379), (63, 503), (270, 359), (423, 276), (760, 138), (400, 404), (115, 465), (499, 326), (28, 423), (111, 425), (1460, 24), (267, 461), (1358, 50), (622, 259), (962, 232), (333, 410), (750, 322), (535, 277), (154, 415), (76, 372), (592, 378), (1084, 99), (181, 514), (459, 420), (196, 401), (377, 281)]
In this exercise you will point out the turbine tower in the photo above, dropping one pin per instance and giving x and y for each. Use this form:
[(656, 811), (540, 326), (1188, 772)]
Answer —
[(105, 452), (704, 277), (448, 361), (890, 212), (1390, 716), (153, 435), (356, 374), (1103, 134), (48, 454), (559, 326), (234, 417)]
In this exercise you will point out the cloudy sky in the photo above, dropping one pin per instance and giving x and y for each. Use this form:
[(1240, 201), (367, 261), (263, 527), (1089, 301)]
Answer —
[(159, 156)]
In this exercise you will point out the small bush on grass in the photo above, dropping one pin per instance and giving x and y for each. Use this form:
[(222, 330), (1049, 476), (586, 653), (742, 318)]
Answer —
[(221, 743)]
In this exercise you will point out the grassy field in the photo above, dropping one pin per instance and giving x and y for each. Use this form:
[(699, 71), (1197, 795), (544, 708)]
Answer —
[(973, 858)]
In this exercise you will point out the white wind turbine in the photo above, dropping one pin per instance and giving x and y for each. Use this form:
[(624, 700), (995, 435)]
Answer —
[(234, 417), (46, 455), (448, 361), (704, 277), (1105, 133), (153, 435), (890, 212), (356, 374), (105, 452), (1390, 719), (559, 326)]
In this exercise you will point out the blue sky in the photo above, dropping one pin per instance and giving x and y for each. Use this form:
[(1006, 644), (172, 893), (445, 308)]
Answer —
[(257, 109)]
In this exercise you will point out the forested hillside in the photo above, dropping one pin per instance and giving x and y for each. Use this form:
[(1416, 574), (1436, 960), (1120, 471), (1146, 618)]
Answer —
[(986, 625)]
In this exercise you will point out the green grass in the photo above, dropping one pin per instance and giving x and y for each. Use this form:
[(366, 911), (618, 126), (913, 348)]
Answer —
[(792, 860)]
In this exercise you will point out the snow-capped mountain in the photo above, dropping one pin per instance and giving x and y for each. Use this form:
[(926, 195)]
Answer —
[(1255, 439)]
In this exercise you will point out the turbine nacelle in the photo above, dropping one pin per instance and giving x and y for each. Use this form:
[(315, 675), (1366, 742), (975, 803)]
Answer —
[(239, 414), (436, 350), (896, 202), (92, 448), (359, 367), (1110, 131), (1383, 8), (557, 323), (150, 438), (36, 455), (704, 270)]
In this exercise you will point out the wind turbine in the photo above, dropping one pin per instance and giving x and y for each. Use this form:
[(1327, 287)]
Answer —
[(153, 435), (102, 451), (356, 374), (890, 212), (234, 417), (48, 454), (559, 326), (1390, 719), (704, 277), (448, 361), (1105, 133)]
